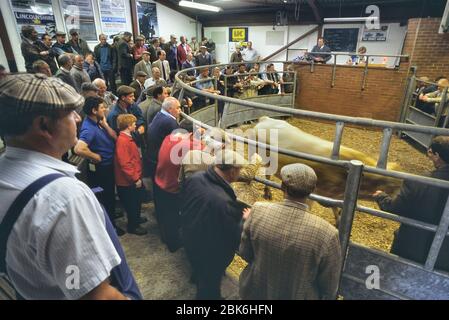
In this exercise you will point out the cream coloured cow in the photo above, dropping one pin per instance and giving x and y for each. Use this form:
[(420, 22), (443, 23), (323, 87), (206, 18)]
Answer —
[(331, 179)]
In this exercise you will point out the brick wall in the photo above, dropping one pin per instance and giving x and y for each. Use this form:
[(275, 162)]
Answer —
[(381, 99), (428, 49)]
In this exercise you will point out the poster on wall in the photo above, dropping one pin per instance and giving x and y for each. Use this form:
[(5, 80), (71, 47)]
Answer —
[(38, 14), (113, 17), (79, 14), (375, 34), (238, 34), (147, 15)]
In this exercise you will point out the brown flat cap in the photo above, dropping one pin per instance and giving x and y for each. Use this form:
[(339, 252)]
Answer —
[(25, 93), (124, 91), (141, 74)]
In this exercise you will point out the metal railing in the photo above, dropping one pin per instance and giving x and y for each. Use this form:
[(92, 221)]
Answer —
[(355, 168)]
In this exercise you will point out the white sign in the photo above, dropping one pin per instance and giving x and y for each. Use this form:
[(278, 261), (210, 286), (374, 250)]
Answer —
[(113, 17)]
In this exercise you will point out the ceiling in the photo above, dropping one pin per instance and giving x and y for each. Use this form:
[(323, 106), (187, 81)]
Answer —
[(310, 11)]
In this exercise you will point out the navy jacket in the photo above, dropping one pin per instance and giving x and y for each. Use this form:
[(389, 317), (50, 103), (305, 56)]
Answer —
[(325, 49), (116, 111)]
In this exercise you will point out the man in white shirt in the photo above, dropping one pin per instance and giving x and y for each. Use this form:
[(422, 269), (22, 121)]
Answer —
[(250, 54), (59, 247)]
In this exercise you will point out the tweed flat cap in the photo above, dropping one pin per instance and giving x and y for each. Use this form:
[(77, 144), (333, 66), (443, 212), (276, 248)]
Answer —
[(230, 157), (124, 91), (73, 31), (299, 177), (141, 74), (25, 93)]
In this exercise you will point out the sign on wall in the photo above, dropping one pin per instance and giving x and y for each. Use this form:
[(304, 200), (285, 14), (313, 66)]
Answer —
[(375, 34), (238, 34), (113, 17), (147, 15), (39, 15)]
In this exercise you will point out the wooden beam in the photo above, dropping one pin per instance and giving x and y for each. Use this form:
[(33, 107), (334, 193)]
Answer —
[(134, 18), (316, 10), (290, 44)]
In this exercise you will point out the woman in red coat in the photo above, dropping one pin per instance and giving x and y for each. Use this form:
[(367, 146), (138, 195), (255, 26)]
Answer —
[(128, 173)]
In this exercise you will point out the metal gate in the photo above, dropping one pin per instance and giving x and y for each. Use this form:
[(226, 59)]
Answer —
[(401, 278)]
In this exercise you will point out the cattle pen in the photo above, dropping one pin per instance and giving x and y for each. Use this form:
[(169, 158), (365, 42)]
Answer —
[(400, 278)]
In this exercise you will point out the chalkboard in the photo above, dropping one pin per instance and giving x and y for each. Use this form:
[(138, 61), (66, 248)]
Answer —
[(342, 40)]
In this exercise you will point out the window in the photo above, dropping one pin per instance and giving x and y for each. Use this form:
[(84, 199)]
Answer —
[(38, 14)]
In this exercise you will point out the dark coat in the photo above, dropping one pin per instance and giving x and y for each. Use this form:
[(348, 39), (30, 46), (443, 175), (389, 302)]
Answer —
[(424, 203), (112, 56), (30, 53), (116, 110), (325, 49), (211, 219), (161, 126), (125, 58), (50, 58), (67, 78)]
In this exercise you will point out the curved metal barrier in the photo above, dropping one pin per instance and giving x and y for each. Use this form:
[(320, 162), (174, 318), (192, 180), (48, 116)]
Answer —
[(401, 278)]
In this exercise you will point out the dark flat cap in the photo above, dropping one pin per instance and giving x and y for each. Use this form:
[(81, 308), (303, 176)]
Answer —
[(141, 74), (60, 33), (73, 31), (124, 91), (37, 93)]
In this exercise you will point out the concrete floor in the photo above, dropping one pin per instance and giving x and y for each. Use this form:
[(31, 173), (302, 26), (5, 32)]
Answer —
[(160, 274)]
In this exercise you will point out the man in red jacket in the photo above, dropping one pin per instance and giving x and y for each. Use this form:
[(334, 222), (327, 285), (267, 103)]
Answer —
[(128, 173), (183, 50)]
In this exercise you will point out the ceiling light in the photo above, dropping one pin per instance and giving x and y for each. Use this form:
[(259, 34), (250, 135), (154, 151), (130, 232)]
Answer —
[(355, 19), (199, 6)]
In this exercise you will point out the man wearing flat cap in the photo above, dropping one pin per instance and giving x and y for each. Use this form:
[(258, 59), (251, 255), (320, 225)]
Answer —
[(211, 220), (126, 104), (291, 253), (60, 46), (125, 59), (144, 65), (138, 82), (51, 222), (78, 44)]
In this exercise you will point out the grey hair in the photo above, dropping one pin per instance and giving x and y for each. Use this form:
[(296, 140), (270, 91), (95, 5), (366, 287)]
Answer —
[(64, 59), (98, 81), (169, 103)]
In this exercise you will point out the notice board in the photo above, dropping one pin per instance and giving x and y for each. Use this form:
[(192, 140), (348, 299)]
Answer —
[(342, 39)]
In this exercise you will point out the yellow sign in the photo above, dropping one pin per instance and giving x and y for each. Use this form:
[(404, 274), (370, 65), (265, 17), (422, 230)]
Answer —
[(238, 34)]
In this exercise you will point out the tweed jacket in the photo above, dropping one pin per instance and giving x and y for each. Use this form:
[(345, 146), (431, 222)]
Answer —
[(142, 66), (292, 254), (158, 64)]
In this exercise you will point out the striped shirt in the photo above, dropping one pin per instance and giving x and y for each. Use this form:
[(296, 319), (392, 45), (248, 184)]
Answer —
[(61, 232)]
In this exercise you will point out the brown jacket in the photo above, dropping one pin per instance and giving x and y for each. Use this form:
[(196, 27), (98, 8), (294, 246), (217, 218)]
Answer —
[(292, 254)]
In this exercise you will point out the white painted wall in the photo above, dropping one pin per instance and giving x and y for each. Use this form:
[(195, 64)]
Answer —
[(170, 22), (257, 34)]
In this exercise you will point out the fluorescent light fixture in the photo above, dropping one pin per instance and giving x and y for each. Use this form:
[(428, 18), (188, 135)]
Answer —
[(199, 6), (354, 19)]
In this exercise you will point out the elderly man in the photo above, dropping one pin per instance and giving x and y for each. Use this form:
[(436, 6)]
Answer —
[(125, 59), (424, 203), (78, 73), (203, 58), (182, 51), (211, 221), (236, 56), (65, 62), (301, 262), (162, 65), (204, 83), (162, 125), (137, 84), (144, 65), (79, 45), (155, 80), (436, 96), (125, 104), (30, 50), (104, 56), (189, 63), (40, 66), (320, 52), (108, 97), (55, 212)]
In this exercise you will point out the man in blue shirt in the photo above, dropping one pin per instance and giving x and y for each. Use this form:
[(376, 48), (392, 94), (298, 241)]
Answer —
[(97, 143), (103, 55), (204, 83)]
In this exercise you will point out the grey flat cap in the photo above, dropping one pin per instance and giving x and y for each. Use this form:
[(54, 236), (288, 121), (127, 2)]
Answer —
[(141, 74), (124, 91), (87, 86), (299, 177), (37, 93)]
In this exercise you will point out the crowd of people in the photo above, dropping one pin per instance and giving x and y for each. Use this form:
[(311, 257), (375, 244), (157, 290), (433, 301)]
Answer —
[(429, 97)]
